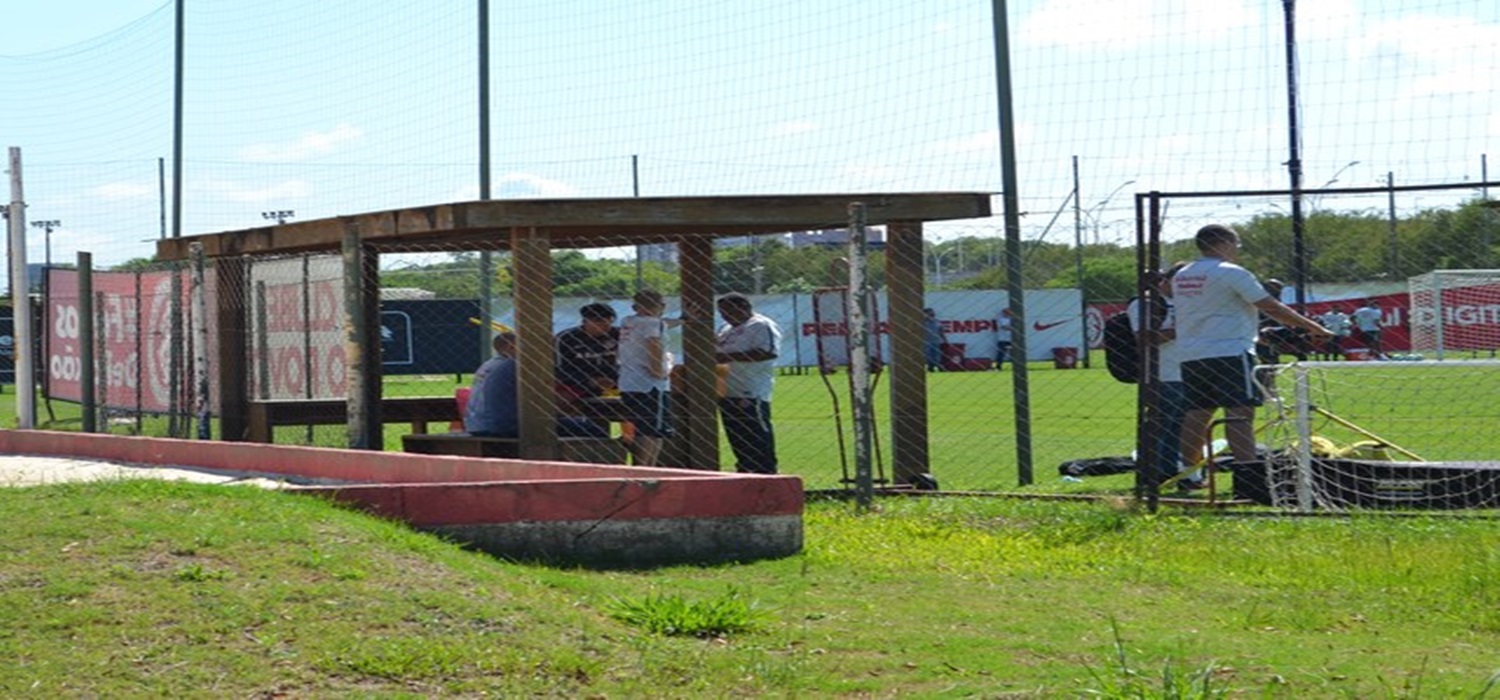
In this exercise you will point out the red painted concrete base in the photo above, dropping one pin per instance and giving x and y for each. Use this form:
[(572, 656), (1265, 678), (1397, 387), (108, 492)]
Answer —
[(594, 515)]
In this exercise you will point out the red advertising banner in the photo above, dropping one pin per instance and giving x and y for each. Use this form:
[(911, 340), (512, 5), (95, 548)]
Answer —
[(295, 359), (1471, 318), (133, 338)]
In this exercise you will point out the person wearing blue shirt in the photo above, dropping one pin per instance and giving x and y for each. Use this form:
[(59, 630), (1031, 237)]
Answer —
[(494, 409)]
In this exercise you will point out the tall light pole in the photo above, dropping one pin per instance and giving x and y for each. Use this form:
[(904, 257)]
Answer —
[(47, 227), (279, 216)]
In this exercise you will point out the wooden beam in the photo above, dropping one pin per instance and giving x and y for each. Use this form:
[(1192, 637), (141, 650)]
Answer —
[(697, 410), (232, 311), (583, 223), (908, 382), (536, 392)]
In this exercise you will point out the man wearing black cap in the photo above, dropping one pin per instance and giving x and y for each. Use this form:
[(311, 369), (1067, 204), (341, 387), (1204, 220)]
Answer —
[(586, 354)]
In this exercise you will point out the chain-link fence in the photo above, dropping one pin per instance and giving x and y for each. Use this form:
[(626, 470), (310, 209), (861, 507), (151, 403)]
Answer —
[(440, 305), (1386, 299)]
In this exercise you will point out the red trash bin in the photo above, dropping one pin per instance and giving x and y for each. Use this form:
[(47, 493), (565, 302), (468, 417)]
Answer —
[(1065, 358), (953, 356)]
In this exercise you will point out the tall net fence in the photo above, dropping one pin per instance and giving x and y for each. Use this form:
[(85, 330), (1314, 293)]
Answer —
[(1402, 375), (357, 111)]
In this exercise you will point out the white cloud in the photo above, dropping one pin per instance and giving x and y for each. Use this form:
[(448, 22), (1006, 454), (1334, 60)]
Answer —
[(529, 184), (1126, 24), (1441, 55), (310, 145)]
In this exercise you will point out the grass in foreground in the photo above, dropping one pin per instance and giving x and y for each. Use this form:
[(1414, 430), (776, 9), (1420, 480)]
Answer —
[(148, 588)]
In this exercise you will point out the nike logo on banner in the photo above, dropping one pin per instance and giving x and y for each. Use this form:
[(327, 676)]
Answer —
[(1039, 326)]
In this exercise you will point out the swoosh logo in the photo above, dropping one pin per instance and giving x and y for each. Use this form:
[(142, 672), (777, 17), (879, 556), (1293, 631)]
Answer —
[(1039, 326)]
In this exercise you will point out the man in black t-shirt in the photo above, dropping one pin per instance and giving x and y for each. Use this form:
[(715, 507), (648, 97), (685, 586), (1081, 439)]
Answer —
[(586, 354)]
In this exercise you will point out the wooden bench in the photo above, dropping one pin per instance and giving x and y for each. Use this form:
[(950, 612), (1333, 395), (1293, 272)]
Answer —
[(264, 416), (571, 449)]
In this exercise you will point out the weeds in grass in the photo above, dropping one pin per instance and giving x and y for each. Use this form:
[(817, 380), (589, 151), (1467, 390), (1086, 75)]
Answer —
[(1119, 680), (198, 573), (673, 615)]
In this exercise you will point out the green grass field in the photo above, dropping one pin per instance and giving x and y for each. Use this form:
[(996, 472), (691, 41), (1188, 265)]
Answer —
[(150, 589), (1438, 413)]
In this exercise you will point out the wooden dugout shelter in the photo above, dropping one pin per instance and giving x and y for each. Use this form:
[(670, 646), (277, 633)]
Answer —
[(530, 229)]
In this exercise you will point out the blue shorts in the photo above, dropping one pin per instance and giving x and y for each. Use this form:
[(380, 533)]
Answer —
[(1221, 382), (650, 411)]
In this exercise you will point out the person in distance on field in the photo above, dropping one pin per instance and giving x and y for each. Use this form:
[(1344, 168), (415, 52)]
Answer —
[(1003, 329), (933, 339), (1366, 320)]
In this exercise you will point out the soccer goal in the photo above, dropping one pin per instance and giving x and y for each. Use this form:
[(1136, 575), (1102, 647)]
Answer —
[(1409, 435), (1455, 310)]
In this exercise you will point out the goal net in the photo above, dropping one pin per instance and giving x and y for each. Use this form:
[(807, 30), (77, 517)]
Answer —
[(1417, 434), (1455, 311)]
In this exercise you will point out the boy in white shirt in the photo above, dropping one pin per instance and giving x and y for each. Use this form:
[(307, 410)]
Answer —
[(645, 370)]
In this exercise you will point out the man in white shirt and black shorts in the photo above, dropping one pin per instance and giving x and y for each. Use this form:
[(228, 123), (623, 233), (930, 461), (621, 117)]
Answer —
[(1217, 304), (748, 343)]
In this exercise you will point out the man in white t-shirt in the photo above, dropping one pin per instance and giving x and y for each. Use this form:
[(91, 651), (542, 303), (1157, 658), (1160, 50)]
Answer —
[(644, 378), (748, 343), (1367, 321), (1217, 305)]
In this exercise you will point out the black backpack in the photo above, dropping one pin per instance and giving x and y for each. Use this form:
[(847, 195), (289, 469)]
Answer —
[(1121, 354)]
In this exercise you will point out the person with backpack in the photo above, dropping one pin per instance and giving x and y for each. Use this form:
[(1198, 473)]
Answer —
[(1171, 393)]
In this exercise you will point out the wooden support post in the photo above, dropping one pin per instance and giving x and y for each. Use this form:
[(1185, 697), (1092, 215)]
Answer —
[(908, 380), (361, 384), (536, 392), (233, 311), (697, 409)]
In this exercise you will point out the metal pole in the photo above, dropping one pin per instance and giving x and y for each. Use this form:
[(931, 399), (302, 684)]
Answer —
[(1390, 183), (1304, 442), (635, 191), (21, 308), (177, 124), (1083, 300), (486, 258), (859, 357), (161, 195), (1294, 159), (1020, 381), (86, 383)]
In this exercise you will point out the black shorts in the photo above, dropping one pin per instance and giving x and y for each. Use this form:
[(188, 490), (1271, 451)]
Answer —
[(650, 411), (1221, 382)]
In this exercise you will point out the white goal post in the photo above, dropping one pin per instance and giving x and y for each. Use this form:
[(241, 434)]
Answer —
[(1455, 310), (1411, 435)]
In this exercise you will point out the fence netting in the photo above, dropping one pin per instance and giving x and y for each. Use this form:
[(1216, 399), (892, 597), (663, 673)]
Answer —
[(1425, 267)]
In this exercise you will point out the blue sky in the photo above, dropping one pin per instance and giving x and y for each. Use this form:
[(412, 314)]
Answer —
[(342, 106)]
